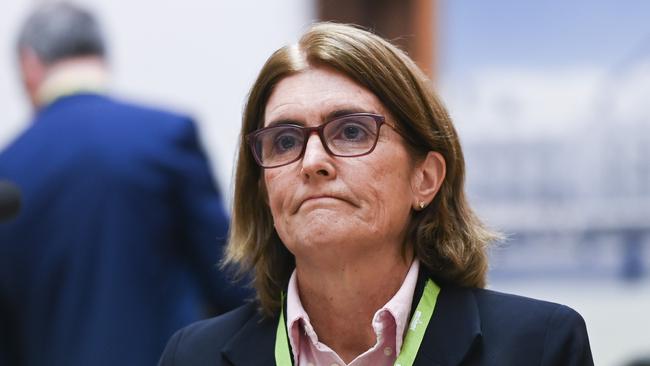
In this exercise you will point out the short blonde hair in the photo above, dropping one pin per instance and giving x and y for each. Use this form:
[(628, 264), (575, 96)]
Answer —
[(447, 237)]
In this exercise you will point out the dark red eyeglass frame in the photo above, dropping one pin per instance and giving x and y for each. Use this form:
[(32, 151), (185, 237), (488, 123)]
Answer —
[(307, 131)]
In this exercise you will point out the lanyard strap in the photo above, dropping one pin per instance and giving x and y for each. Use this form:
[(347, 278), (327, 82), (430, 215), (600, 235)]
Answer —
[(412, 341), (282, 356)]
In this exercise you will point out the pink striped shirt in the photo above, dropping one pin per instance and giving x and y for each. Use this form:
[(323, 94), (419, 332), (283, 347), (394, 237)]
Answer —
[(388, 323)]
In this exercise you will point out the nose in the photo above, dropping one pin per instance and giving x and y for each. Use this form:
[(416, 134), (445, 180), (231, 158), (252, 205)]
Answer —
[(316, 162)]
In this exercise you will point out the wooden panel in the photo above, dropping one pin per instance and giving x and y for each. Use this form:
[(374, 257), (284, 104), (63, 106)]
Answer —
[(407, 23)]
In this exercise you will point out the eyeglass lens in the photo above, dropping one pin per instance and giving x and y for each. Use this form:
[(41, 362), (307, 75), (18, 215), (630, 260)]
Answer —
[(346, 136)]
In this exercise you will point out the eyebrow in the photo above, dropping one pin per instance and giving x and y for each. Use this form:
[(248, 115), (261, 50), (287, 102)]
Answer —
[(344, 112), (283, 122), (330, 116)]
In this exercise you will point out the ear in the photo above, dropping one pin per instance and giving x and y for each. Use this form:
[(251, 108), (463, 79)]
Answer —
[(428, 175), (33, 72)]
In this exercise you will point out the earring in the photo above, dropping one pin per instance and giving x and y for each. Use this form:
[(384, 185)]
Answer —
[(422, 205)]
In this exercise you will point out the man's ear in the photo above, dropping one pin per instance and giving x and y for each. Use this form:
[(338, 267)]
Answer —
[(33, 72), (428, 175)]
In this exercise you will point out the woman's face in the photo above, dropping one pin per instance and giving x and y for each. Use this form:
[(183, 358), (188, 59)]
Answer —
[(335, 208)]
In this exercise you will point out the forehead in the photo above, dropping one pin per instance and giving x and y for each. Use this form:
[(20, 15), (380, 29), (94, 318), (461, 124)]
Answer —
[(311, 95)]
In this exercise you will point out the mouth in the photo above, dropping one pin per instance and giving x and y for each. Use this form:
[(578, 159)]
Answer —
[(321, 199)]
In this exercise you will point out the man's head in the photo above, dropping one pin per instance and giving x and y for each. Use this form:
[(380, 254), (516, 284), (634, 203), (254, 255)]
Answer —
[(53, 34)]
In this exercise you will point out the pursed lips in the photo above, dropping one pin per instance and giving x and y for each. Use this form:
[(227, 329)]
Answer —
[(320, 197)]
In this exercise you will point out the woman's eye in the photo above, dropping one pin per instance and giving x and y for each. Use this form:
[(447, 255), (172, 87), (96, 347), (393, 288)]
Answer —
[(285, 142), (353, 132)]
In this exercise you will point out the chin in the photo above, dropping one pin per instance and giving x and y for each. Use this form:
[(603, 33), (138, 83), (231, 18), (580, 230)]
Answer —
[(326, 237), (320, 220), (322, 228)]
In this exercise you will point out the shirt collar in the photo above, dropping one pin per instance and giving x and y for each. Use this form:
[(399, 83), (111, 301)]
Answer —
[(73, 78), (399, 307)]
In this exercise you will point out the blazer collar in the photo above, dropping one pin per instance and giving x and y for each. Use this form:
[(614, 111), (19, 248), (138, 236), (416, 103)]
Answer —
[(454, 329), (254, 344)]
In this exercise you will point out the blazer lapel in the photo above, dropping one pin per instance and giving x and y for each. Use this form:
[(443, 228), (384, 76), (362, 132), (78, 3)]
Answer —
[(254, 344), (454, 329)]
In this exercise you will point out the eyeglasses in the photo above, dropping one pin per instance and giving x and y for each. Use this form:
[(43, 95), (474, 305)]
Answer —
[(348, 136)]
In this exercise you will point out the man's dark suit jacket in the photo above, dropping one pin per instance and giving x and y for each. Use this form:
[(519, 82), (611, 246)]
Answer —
[(469, 327), (116, 244)]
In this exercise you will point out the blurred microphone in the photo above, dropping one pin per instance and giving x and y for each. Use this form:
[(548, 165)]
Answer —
[(9, 200)]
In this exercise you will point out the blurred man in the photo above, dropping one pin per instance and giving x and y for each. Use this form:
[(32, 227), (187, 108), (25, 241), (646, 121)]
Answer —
[(121, 226)]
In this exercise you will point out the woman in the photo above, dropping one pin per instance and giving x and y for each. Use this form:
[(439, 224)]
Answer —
[(351, 217)]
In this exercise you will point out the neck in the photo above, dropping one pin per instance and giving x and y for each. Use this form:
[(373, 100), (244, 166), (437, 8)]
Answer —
[(80, 74), (342, 301)]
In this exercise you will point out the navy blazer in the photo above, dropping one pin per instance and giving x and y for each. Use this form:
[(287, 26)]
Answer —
[(117, 242), (469, 327)]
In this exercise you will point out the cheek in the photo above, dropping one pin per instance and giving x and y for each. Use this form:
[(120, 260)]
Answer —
[(394, 198), (391, 183), (390, 194), (275, 190)]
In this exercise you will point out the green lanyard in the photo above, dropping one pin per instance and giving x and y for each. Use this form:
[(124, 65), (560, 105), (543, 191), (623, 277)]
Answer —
[(412, 341)]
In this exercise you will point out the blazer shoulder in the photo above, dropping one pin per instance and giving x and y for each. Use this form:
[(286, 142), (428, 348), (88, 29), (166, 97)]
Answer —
[(520, 311), (158, 112), (485, 296), (102, 115), (493, 302), (200, 343), (555, 332)]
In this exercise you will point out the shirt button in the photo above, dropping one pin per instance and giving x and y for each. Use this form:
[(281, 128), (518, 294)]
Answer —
[(388, 351)]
